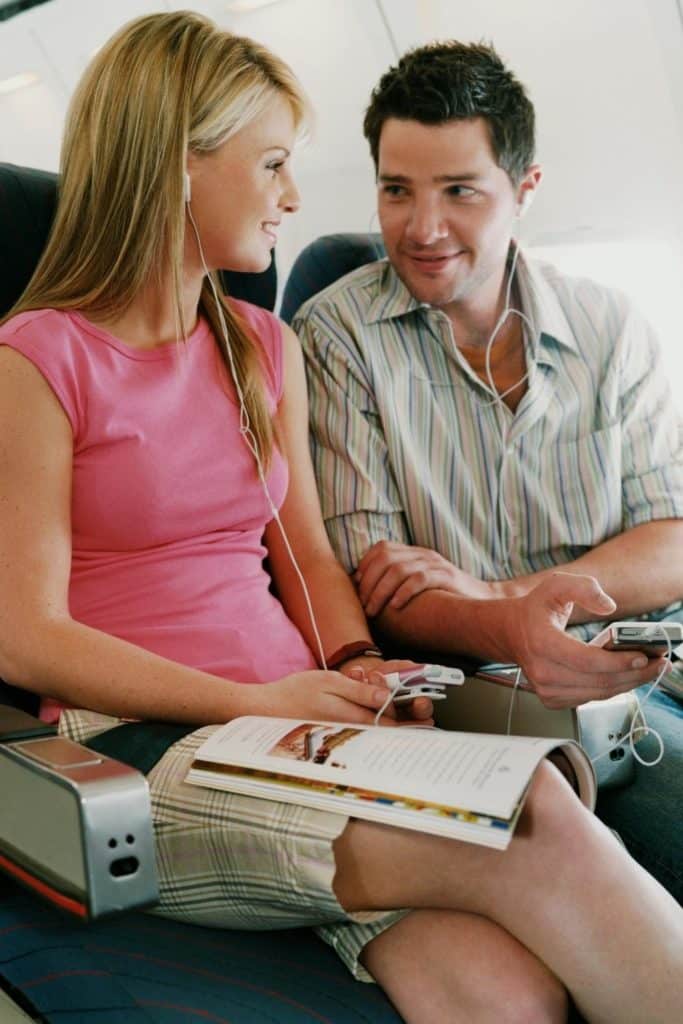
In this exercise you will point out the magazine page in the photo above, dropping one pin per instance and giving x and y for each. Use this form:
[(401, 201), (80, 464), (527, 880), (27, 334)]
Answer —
[(474, 773)]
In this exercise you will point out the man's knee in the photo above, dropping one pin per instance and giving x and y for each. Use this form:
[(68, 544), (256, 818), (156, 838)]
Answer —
[(444, 965), (550, 795), (537, 999)]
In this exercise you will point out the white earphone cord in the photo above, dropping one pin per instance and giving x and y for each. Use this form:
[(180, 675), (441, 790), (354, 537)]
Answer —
[(395, 682), (638, 714), (503, 517), (250, 441)]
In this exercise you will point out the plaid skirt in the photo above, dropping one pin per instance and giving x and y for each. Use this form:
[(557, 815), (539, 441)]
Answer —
[(230, 861)]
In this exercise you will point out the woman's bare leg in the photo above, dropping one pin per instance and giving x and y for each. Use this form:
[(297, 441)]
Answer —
[(565, 889), (446, 967)]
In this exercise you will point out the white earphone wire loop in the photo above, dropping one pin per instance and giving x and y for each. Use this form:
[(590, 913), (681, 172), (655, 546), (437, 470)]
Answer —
[(639, 715), (507, 311)]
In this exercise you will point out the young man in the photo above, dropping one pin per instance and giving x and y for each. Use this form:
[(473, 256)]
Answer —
[(496, 445)]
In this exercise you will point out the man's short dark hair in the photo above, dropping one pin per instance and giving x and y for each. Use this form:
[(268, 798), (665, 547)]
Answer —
[(457, 81)]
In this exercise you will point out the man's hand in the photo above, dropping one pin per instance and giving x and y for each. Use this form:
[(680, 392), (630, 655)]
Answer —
[(529, 630), (392, 574), (563, 671)]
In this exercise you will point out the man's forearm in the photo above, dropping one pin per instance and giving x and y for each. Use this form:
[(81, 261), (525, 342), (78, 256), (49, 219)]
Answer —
[(447, 623), (641, 569)]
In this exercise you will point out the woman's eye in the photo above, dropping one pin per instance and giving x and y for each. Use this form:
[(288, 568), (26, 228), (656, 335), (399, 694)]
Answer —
[(276, 166)]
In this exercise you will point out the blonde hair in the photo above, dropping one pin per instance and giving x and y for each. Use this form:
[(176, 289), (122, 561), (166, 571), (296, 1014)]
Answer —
[(164, 85)]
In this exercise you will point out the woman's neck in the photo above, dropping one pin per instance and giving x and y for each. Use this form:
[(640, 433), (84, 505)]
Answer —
[(151, 319)]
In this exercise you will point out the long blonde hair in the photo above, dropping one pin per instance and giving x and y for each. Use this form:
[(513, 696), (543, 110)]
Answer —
[(164, 85)]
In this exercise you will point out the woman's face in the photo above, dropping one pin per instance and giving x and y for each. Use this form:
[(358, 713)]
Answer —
[(240, 191)]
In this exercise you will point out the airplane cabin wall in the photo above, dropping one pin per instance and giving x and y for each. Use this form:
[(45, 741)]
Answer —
[(606, 79)]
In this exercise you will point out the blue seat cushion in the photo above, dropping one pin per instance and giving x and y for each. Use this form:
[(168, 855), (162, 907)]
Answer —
[(324, 261), (141, 969)]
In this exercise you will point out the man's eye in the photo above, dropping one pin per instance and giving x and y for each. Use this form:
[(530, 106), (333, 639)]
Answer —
[(460, 191), (393, 190)]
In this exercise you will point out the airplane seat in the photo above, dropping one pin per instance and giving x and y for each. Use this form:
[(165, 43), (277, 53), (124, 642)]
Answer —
[(135, 968), (27, 205), (14, 697), (325, 260)]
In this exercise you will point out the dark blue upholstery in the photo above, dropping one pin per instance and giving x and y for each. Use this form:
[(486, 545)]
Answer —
[(322, 262), (142, 969), (137, 968)]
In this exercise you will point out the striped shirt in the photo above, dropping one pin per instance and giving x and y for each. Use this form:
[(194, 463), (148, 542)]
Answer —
[(410, 445)]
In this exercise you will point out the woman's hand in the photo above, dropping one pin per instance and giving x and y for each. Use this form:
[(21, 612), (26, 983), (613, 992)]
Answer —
[(373, 671), (330, 696)]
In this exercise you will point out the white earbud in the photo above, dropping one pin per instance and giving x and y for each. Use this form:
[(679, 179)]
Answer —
[(525, 202), (188, 187)]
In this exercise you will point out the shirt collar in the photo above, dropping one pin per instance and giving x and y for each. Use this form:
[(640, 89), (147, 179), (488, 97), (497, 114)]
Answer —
[(539, 302), (392, 298)]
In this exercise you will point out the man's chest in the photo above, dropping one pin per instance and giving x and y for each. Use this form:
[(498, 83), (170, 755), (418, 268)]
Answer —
[(553, 463)]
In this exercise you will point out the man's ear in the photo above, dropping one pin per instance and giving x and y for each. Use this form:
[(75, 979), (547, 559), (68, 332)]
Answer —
[(526, 190)]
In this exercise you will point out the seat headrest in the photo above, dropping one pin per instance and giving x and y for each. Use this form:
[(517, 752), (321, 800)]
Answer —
[(323, 262), (27, 204), (28, 198)]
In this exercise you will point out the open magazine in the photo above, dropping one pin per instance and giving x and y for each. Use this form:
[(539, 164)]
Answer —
[(468, 786)]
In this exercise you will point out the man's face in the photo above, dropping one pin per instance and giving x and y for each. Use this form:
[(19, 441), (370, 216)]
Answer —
[(446, 210)]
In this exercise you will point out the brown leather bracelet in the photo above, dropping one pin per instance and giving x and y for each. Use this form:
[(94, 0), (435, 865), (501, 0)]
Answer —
[(356, 649)]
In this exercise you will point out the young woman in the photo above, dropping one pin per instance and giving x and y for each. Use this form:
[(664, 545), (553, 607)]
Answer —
[(150, 432)]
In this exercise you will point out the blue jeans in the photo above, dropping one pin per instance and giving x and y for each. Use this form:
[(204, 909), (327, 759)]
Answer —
[(648, 814)]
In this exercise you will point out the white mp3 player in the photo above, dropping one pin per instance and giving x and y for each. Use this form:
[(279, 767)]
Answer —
[(423, 681)]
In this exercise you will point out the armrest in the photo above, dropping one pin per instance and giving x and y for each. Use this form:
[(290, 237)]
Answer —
[(75, 825)]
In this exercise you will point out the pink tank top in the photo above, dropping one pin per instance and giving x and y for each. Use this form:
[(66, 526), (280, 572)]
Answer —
[(167, 510)]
